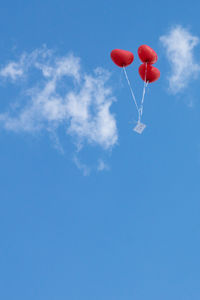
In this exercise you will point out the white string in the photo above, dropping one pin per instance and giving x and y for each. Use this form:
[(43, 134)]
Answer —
[(143, 93), (139, 109), (133, 96)]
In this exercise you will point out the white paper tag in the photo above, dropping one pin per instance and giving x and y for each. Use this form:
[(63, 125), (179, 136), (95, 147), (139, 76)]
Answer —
[(139, 127)]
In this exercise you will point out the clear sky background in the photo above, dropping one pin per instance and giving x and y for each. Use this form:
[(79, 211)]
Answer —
[(89, 209)]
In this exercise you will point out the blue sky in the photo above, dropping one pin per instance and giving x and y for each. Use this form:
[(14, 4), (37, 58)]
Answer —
[(89, 209)]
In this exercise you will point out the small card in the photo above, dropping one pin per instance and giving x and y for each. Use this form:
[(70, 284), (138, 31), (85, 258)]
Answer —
[(139, 127)]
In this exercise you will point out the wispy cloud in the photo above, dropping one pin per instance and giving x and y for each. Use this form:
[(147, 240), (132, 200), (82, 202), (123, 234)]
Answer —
[(81, 166), (102, 166), (12, 70), (60, 93), (179, 44)]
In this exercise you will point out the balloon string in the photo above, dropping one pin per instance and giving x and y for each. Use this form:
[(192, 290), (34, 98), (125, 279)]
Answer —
[(133, 96), (143, 94)]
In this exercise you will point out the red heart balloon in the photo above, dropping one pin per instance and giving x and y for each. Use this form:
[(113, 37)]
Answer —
[(149, 72), (122, 58), (147, 54)]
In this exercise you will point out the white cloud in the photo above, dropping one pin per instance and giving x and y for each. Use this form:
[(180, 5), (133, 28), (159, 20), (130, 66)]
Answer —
[(61, 95), (12, 70), (179, 44), (81, 166), (102, 166)]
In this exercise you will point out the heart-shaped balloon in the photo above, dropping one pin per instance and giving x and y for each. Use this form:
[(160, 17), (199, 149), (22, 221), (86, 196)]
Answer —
[(122, 58), (149, 73), (147, 54)]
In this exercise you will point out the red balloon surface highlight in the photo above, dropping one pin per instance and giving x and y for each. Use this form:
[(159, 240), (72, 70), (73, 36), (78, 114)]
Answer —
[(150, 72), (147, 54), (122, 58)]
